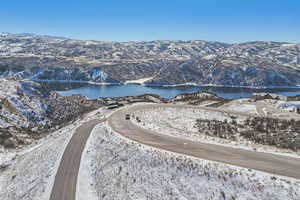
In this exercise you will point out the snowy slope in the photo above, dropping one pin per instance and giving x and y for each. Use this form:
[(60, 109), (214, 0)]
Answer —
[(29, 173), (121, 169)]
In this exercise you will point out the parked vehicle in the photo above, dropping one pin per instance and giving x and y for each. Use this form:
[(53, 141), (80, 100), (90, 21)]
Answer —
[(113, 106), (127, 117)]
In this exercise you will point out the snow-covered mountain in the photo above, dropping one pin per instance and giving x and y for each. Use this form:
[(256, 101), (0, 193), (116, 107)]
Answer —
[(257, 64)]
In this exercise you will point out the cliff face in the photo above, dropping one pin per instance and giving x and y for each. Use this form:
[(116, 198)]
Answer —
[(257, 64)]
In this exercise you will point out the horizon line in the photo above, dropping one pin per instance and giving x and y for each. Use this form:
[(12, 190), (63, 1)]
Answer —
[(126, 41)]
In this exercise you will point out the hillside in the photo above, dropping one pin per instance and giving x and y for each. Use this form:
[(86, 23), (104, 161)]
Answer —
[(28, 111), (254, 64)]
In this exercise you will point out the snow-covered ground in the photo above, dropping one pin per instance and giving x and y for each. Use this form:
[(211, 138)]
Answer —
[(117, 168), (114, 167), (139, 81), (291, 106), (85, 182), (264, 108), (243, 108), (180, 122), (31, 171)]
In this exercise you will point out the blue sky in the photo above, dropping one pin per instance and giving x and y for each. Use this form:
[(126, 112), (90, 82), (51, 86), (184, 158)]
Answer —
[(127, 20)]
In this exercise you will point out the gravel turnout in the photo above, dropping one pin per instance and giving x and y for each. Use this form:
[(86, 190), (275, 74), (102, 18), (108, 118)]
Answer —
[(122, 169)]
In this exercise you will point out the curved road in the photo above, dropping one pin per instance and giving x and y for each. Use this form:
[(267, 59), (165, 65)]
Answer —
[(271, 163), (64, 187)]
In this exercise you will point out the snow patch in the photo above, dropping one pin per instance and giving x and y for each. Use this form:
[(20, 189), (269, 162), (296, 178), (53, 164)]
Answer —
[(243, 108), (139, 81), (289, 106), (97, 74), (84, 187)]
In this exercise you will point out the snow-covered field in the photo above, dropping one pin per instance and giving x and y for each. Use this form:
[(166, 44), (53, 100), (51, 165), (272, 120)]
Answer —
[(31, 171), (117, 168), (243, 108), (180, 122), (291, 106)]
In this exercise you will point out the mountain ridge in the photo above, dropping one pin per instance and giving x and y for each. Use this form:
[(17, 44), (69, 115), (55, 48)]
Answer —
[(249, 64)]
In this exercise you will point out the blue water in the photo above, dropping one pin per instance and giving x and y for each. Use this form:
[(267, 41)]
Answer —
[(95, 91)]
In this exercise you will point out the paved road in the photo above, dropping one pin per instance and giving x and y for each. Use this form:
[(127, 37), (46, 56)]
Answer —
[(276, 164), (64, 187)]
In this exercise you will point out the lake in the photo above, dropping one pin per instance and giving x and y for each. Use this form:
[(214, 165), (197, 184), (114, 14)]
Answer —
[(93, 91)]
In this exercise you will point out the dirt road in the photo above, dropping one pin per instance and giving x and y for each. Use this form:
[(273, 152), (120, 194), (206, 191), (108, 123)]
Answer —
[(276, 164)]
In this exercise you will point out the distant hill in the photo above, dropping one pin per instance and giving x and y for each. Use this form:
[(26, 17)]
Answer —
[(251, 64), (31, 35)]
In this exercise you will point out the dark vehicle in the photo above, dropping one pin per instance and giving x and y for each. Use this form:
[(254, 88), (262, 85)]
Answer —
[(113, 106), (127, 116)]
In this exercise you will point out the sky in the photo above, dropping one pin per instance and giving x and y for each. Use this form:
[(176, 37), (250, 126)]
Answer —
[(136, 20)]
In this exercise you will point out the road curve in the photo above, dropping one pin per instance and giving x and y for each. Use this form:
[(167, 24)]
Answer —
[(271, 163), (64, 187)]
